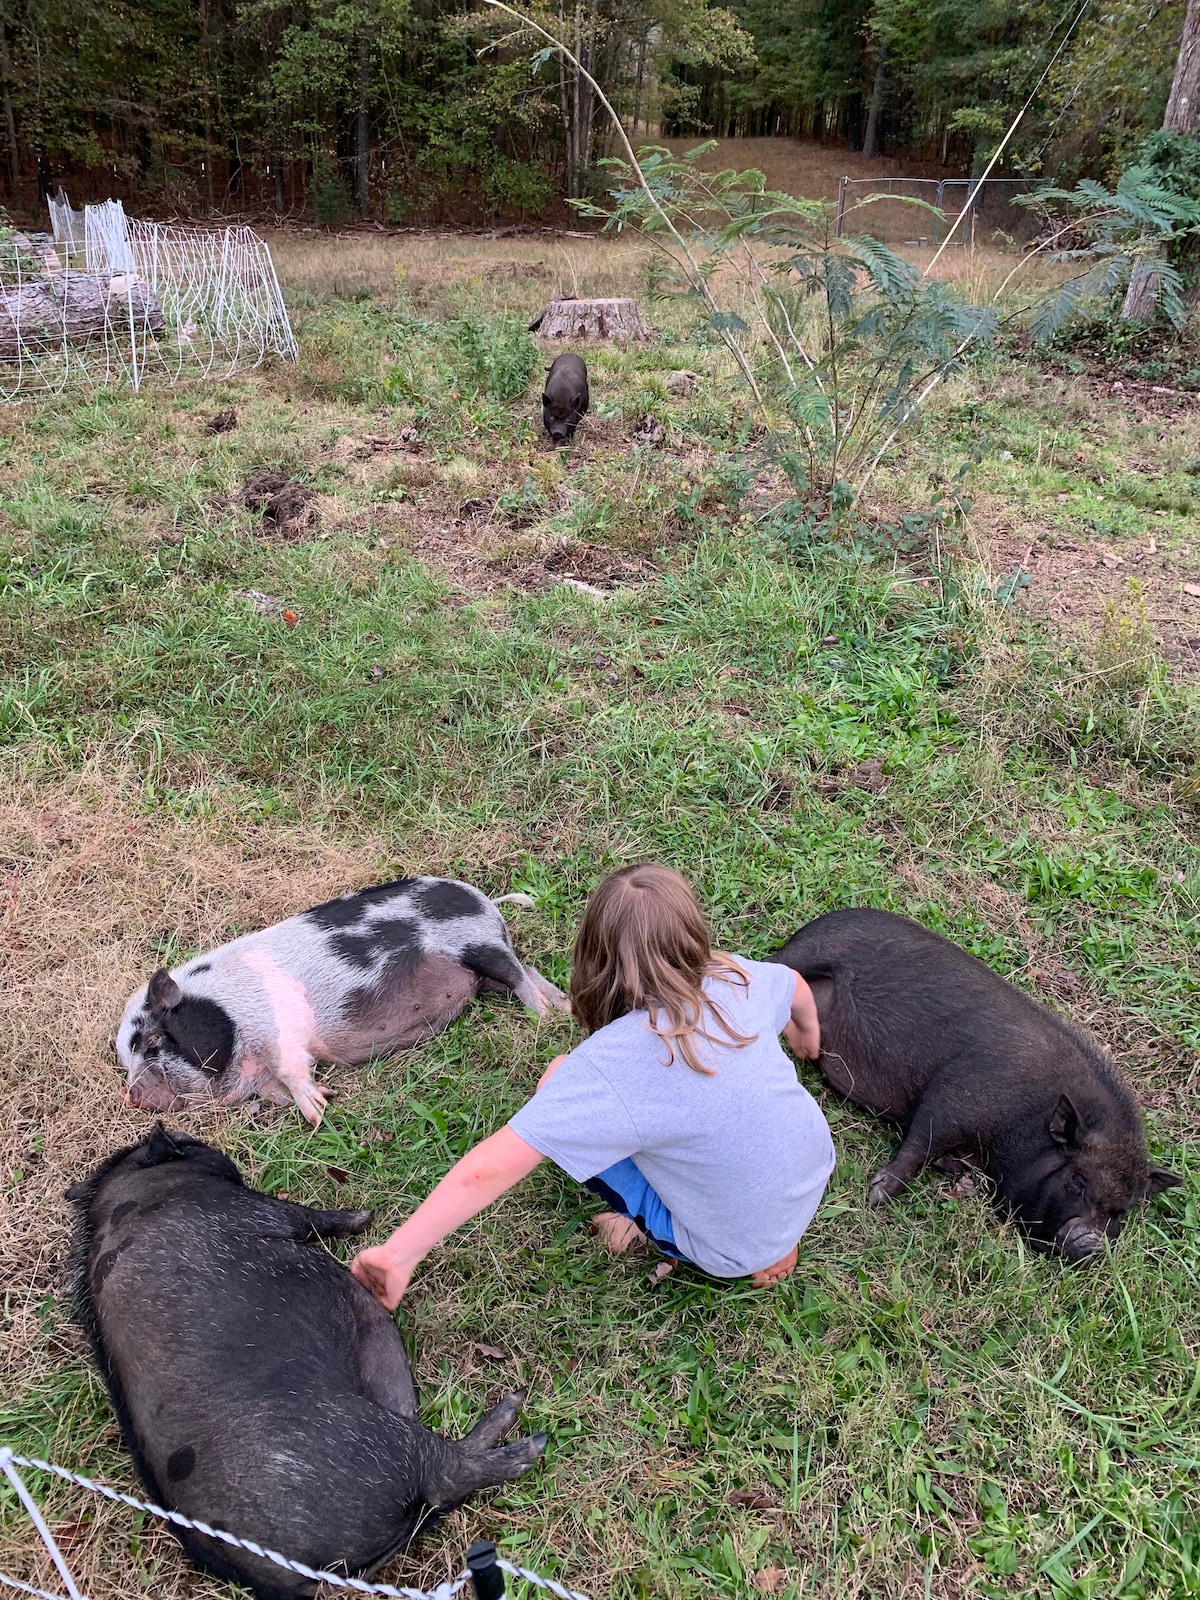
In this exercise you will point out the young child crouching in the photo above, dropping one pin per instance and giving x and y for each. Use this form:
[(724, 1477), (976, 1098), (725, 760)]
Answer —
[(679, 1109)]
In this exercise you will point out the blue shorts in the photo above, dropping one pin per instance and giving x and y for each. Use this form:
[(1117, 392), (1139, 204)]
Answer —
[(625, 1189)]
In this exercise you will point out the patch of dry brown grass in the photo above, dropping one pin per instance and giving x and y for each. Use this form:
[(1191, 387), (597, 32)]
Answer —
[(513, 273), (93, 889), (798, 167)]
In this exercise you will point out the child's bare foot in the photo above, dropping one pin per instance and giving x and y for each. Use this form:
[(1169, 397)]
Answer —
[(616, 1233), (781, 1269)]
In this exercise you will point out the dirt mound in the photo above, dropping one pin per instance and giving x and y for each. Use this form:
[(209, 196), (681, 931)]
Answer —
[(283, 502)]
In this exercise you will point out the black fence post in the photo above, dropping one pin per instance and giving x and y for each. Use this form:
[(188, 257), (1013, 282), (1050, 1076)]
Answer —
[(486, 1577)]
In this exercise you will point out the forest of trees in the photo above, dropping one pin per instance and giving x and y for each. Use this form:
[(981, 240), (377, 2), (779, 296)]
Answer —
[(410, 110)]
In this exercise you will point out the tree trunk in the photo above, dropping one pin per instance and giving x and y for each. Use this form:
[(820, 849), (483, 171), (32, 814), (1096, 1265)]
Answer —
[(10, 121), (641, 68), (589, 98), (74, 307), (1182, 116), (1183, 106), (574, 153), (208, 160), (617, 319), (564, 101), (870, 145), (362, 145)]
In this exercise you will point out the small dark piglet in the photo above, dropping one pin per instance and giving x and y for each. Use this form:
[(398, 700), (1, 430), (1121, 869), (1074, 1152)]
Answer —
[(922, 1033), (259, 1387), (377, 971), (565, 397)]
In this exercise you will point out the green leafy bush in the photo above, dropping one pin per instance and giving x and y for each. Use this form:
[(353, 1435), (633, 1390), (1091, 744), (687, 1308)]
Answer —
[(837, 338), (1132, 233), (515, 185), (330, 198), (492, 356), (471, 357)]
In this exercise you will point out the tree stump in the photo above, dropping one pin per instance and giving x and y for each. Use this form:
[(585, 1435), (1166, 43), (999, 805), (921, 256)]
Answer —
[(73, 308), (617, 319)]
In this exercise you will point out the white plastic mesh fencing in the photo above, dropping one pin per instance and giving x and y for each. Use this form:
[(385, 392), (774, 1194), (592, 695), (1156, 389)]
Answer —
[(66, 223), (106, 244), (149, 301)]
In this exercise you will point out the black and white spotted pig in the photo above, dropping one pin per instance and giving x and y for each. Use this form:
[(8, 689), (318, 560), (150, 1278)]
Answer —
[(259, 1387), (377, 971)]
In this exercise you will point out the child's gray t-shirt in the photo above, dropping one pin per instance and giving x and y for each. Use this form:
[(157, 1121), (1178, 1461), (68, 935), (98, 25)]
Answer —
[(740, 1157)]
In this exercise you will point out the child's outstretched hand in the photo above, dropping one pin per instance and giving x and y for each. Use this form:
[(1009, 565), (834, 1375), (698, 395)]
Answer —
[(483, 1175), (803, 1032), (381, 1272)]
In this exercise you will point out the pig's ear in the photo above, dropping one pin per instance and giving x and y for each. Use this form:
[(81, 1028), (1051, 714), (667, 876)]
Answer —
[(1161, 1179), (163, 993), (1064, 1123), (159, 1147), (80, 1191)]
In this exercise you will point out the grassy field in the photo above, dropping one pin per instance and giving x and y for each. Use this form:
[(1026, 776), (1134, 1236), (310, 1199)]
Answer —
[(209, 723)]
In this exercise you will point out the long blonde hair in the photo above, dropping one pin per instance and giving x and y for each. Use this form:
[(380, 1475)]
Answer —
[(643, 944)]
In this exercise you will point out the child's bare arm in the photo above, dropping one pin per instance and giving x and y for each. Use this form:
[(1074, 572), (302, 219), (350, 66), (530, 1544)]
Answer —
[(482, 1176), (803, 1032)]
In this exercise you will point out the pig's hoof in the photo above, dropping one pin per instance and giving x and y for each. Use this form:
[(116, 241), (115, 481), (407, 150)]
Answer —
[(885, 1186), (312, 1102), (490, 1429)]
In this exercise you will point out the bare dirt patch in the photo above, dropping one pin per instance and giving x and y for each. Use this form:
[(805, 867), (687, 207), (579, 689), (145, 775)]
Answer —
[(1076, 583), (1139, 395), (572, 561)]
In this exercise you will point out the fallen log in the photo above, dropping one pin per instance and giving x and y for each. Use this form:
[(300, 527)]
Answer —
[(617, 319), (75, 308)]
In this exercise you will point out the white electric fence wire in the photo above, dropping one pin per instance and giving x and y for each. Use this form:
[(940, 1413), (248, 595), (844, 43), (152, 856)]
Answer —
[(151, 299), (10, 1461), (39, 1522), (28, 1588)]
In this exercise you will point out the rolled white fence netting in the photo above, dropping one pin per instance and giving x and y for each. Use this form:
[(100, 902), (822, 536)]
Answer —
[(150, 301), (66, 223), (106, 245)]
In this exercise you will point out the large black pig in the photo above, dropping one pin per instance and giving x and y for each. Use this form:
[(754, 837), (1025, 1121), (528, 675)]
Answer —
[(565, 397), (922, 1033), (259, 1387)]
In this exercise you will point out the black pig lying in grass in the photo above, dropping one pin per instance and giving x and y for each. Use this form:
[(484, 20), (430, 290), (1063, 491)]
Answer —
[(259, 1387), (565, 397), (919, 1031)]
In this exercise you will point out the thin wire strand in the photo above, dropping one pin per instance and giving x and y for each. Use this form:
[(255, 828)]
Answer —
[(39, 1522)]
